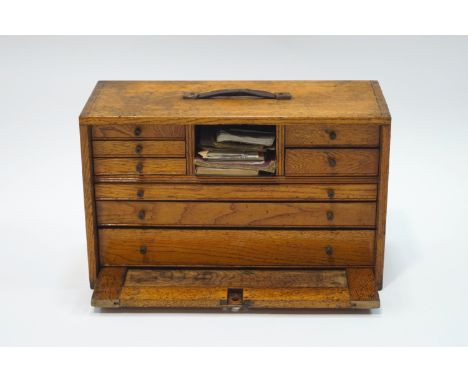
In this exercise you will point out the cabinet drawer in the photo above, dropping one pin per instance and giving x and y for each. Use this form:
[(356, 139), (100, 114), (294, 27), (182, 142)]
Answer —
[(223, 247), (139, 149), (236, 214), (249, 192), (139, 131), (310, 162), (331, 135), (139, 166)]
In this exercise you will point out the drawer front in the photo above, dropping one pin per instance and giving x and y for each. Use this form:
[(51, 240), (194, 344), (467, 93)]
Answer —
[(139, 131), (172, 247), (310, 162), (236, 214), (249, 192), (331, 135), (139, 166), (139, 149)]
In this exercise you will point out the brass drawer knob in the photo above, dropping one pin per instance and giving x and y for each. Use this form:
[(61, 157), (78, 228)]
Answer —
[(330, 215), (332, 135), (140, 193), (141, 214), (329, 250), (143, 250), (332, 162), (138, 149), (331, 193), (137, 131), (139, 167)]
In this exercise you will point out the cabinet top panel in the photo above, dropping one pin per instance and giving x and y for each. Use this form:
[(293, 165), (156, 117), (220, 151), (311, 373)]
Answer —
[(122, 102)]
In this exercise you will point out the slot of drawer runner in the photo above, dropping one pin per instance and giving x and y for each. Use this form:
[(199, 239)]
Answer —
[(236, 214), (222, 247), (249, 192)]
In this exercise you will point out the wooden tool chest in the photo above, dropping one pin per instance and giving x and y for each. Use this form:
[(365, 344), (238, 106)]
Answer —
[(309, 235)]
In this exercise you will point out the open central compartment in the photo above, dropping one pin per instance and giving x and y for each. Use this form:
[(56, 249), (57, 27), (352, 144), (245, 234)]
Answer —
[(235, 150)]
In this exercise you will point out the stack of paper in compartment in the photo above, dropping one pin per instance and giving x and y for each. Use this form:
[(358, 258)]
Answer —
[(235, 151)]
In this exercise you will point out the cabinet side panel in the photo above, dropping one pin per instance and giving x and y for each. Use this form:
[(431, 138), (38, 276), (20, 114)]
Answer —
[(90, 214), (382, 203)]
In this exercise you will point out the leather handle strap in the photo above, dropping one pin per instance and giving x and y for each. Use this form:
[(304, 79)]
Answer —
[(232, 93)]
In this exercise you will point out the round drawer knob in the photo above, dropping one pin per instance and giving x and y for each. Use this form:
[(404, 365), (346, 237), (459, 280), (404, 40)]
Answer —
[(332, 135), (329, 250), (331, 193), (140, 193), (137, 131), (141, 214), (138, 149), (332, 162), (143, 250), (330, 215), (139, 167)]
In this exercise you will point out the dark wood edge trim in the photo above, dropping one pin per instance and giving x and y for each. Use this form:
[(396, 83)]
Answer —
[(331, 147), (190, 148), (379, 97), (89, 203), (90, 103), (125, 120), (243, 267), (279, 267), (280, 150), (381, 215), (199, 180), (213, 227), (138, 140)]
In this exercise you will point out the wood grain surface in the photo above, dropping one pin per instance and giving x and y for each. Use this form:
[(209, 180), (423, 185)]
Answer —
[(172, 297), (124, 102), (255, 278), (293, 298), (190, 247), (236, 214), (108, 287), (89, 204), (382, 205), (248, 192), (331, 135), (128, 149), (362, 288), (139, 166), (257, 289), (319, 162)]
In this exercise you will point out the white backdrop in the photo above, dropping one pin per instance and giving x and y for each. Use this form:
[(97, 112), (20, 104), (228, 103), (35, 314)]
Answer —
[(45, 81)]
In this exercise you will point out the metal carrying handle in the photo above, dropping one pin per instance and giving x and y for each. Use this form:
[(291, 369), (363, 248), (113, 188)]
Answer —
[(224, 93)]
